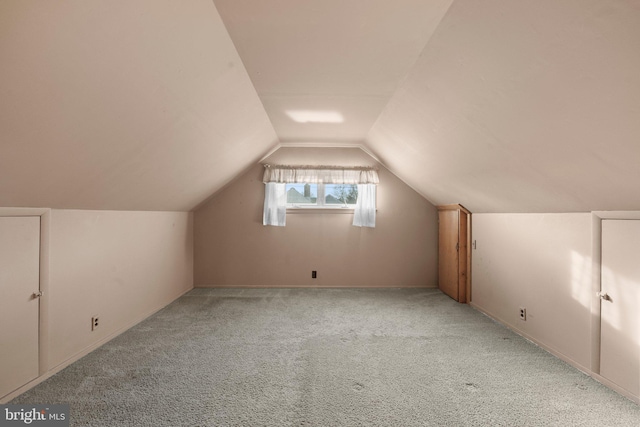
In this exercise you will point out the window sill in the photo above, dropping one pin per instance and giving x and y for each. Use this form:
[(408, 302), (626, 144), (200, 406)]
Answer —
[(316, 210)]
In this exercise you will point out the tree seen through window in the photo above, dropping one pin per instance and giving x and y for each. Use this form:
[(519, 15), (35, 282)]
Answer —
[(341, 194)]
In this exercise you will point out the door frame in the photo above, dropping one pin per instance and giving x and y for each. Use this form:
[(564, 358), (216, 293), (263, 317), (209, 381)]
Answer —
[(596, 286), (43, 310)]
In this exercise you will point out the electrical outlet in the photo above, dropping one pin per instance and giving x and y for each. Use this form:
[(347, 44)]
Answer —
[(94, 322), (523, 313), (314, 274)]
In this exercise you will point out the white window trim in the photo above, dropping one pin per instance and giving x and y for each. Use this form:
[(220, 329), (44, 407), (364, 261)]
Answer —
[(315, 209), (320, 204)]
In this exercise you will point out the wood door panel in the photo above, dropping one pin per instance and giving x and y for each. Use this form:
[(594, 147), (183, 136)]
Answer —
[(448, 260), (620, 314), (462, 257), (19, 278)]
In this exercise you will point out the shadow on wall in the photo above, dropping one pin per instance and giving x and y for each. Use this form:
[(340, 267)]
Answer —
[(539, 262), (544, 263)]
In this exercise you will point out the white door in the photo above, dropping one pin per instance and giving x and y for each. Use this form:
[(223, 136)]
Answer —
[(620, 304), (19, 279)]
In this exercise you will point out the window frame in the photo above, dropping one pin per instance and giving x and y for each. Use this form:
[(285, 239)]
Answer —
[(320, 202)]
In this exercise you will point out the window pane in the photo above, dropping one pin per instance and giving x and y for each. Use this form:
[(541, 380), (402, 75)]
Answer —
[(302, 194), (340, 194)]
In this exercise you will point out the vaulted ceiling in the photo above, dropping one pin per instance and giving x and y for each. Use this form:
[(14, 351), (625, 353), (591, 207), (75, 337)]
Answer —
[(343, 59), (501, 105)]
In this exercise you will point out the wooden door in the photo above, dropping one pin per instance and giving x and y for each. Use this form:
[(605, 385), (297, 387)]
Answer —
[(454, 255), (448, 252), (19, 279), (620, 302)]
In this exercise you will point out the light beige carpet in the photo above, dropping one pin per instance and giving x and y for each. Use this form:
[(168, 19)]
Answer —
[(327, 357)]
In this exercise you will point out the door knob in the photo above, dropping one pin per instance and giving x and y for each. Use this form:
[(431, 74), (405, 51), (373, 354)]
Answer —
[(603, 296), (37, 294)]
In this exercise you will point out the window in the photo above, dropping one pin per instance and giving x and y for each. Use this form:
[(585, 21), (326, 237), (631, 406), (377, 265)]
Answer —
[(301, 194), (319, 187), (305, 195)]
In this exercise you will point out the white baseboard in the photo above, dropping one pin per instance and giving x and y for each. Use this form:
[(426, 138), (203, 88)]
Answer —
[(316, 287), (562, 357)]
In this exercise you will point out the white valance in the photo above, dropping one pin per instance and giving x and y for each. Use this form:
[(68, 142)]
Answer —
[(320, 174)]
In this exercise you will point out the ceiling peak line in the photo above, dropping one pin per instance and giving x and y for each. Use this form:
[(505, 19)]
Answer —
[(320, 145), (323, 95)]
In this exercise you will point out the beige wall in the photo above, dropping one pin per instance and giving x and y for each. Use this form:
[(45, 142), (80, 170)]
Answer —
[(541, 262), (120, 266), (233, 248)]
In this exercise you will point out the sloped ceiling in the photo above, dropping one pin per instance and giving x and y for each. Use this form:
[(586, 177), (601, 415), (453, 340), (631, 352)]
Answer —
[(501, 105), (125, 105), (522, 106), (505, 106)]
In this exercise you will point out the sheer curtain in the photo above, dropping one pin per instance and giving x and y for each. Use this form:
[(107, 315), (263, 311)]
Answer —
[(275, 204), (276, 178), (364, 214)]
